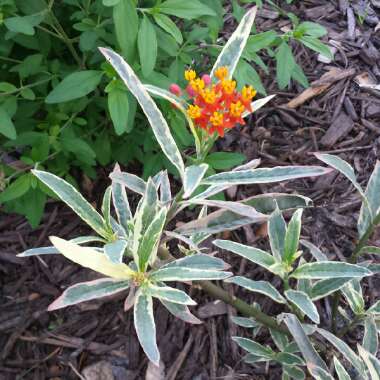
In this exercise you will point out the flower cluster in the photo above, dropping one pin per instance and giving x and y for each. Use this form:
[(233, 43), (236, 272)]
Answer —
[(216, 106)]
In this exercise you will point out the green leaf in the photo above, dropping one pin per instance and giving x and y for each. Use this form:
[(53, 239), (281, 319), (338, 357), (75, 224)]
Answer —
[(299, 75), (319, 373), (74, 86), (185, 9), (126, 24), (344, 349), (169, 294), (277, 233), (115, 250), (192, 178), (19, 25), (248, 323), (370, 340), (154, 115), (315, 251), (145, 326), (284, 64), (147, 249), (324, 288), (262, 287), (260, 41), (370, 250), (169, 26), (224, 160), (106, 206), (308, 351), (254, 347), (257, 104), (292, 237), (187, 274), (330, 269), (7, 87), (264, 175), (16, 189), (233, 49), (68, 194), (353, 294), (147, 46), (118, 106), (375, 308), (7, 128), (254, 255), (120, 202), (316, 45), (130, 181), (246, 74), (304, 303), (110, 3), (340, 370), (181, 311), (293, 372), (86, 291), (288, 359), (312, 29)]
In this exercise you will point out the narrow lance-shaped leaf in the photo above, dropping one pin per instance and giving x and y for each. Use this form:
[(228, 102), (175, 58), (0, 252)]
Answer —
[(264, 175), (170, 294), (157, 121), (254, 347), (130, 181), (181, 311), (234, 47), (120, 202), (192, 178), (145, 325), (329, 269), (340, 370), (344, 349), (148, 247), (198, 261), (277, 233), (370, 339), (319, 373), (323, 288), (308, 351), (262, 287), (257, 104), (304, 303), (68, 194), (106, 206), (89, 258), (292, 237), (187, 274), (115, 250), (165, 192), (371, 362), (86, 291), (315, 251)]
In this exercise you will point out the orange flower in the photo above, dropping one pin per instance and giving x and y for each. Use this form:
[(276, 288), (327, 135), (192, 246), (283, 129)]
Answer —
[(228, 86), (209, 95), (190, 75), (221, 72), (194, 112), (236, 109), (248, 93), (197, 84), (216, 119)]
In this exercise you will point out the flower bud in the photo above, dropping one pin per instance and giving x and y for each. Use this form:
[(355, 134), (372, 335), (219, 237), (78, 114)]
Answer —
[(190, 90), (207, 79), (175, 89)]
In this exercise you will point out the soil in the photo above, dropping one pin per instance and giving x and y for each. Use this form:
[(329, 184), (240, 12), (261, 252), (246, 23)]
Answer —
[(344, 119)]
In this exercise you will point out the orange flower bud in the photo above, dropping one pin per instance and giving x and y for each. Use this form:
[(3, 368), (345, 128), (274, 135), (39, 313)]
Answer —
[(228, 86), (221, 72), (248, 93), (236, 109), (197, 84), (194, 112)]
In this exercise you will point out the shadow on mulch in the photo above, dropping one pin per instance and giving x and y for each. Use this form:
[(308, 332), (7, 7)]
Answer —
[(343, 120)]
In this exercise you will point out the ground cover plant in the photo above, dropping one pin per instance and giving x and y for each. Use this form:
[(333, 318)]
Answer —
[(59, 108), (131, 247)]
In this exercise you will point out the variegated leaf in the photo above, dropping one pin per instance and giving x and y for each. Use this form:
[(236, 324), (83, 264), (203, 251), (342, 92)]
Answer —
[(187, 274), (86, 291), (234, 47), (304, 303), (292, 237), (264, 175), (181, 311), (167, 293), (115, 250), (257, 104), (145, 325), (254, 347), (340, 370), (89, 258), (165, 192), (68, 194), (120, 202), (192, 178), (371, 361), (158, 123), (198, 261), (323, 288), (130, 181), (262, 287), (106, 206), (277, 233)]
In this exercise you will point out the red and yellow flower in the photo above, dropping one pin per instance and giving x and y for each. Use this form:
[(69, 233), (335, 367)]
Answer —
[(216, 106)]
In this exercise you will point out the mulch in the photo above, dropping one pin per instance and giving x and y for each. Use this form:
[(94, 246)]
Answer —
[(344, 119)]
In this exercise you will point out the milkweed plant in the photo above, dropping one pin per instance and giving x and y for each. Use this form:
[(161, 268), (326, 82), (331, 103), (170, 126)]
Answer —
[(131, 249)]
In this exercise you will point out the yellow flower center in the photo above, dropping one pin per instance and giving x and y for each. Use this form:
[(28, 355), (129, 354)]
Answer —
[(248, 93), (221, 72), (190, 75), (209, 96), (194, 112), (197, 84), (216, 119), (228, 86), (236, 109)]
